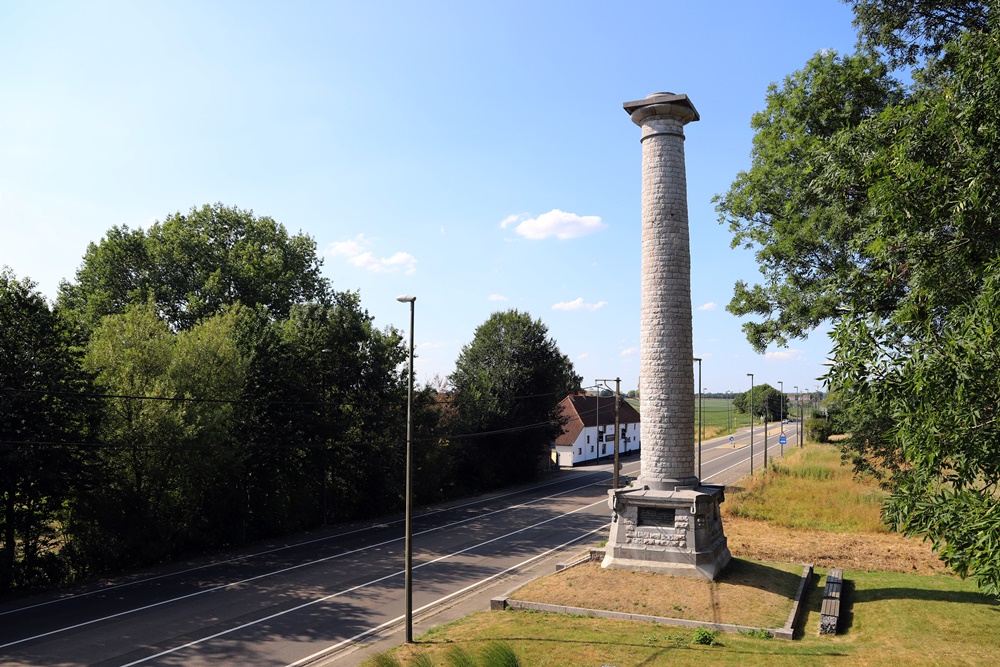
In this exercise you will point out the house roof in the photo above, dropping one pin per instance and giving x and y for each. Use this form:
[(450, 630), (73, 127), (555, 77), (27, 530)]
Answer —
[(581, 412)]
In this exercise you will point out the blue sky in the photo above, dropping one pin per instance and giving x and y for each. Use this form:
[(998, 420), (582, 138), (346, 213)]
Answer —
[(473, 154)]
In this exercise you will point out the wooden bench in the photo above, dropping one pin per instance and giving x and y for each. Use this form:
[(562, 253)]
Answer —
[(829, 613)]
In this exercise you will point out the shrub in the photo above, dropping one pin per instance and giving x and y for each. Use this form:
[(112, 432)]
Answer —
[(818, 429), (705, 637)]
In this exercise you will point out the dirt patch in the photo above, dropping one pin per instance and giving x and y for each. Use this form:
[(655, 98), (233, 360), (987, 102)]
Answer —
[(886, 552), (758, 587), (747, 593)]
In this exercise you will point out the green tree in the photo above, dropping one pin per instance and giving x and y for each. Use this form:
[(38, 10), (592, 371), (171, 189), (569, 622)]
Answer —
[(44, 418), (191, 266), (890, 230), (508, 384), (357, 408), (165, 478), (766, 402)]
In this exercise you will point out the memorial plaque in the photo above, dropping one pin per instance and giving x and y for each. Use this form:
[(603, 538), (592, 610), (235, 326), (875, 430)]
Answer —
[(662, 517)]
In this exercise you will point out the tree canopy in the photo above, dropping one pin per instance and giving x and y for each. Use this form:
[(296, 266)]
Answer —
[(873, 204), (198, 386), (508, 383), (767, 402), (193, 265), (44, 417)]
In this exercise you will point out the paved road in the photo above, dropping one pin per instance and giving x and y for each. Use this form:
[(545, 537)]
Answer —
[(300, 602)]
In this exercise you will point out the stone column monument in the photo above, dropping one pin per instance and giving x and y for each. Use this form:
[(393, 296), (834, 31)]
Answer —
[(667, 521)]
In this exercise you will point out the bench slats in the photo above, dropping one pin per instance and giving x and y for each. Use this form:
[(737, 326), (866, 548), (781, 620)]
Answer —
[(830, 609)]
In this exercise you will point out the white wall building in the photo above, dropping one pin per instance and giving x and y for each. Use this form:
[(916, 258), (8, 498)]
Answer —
[(589, 433)]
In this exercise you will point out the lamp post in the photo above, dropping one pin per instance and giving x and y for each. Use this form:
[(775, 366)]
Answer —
[(729, 408), (781, 416), (408, 560), (750, 375), (799, 397), (698, 359)]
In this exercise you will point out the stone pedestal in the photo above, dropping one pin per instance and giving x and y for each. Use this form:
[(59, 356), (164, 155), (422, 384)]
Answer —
[(670, 521), (675, 532)]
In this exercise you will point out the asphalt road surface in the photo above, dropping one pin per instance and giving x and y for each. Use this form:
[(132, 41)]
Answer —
[(306, 601)]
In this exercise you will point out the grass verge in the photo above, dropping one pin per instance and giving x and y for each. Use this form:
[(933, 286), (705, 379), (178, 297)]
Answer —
[(901, 606), (891, 619)]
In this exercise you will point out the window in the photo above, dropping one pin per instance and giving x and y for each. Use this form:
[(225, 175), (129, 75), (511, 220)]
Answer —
[(591, 449), (588, 439), (604, 449), (579, 451)]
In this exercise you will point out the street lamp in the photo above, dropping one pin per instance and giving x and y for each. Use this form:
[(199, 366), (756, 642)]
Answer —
[(698, 359), (750, 375), (781, 416), (408, 561), (798, 396)]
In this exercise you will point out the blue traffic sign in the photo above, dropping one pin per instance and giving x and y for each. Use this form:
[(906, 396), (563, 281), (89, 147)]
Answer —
[(782, 440)]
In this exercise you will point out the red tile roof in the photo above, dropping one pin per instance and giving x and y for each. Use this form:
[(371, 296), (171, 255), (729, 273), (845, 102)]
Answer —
[(580, 412)]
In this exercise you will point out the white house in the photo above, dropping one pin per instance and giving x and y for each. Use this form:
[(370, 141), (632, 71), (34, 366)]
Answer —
[(589, 433)]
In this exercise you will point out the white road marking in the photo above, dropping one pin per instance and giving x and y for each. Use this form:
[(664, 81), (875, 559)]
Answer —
[(280, 571), (105, 589), (354, 588)]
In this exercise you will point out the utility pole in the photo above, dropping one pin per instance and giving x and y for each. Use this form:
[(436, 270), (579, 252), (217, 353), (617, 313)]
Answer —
[(618, 398), (750, 375)]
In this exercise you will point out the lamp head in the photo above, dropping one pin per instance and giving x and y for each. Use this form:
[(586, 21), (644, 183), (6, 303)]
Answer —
[(406, 298)]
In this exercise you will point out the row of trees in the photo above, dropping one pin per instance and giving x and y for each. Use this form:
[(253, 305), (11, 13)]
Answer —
[(872, 202), (200, 385), (767, 403)]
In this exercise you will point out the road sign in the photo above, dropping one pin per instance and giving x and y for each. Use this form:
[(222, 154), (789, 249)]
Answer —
[(731, 440), (782, 440)]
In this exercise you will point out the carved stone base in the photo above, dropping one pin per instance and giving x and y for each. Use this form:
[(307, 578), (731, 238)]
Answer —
[(675, 532)]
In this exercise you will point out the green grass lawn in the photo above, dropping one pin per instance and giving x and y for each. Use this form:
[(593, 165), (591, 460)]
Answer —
[(891, 619)]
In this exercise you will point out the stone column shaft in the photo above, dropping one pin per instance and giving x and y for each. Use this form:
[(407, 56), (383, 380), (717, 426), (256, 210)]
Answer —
[(666, 377)]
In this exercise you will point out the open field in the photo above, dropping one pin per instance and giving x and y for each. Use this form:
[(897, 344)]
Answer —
[(900, 604)]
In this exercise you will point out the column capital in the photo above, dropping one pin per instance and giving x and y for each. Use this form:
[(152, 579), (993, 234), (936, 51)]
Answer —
[(662, 104)]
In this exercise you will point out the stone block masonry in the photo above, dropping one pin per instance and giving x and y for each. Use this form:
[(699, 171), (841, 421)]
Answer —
[(668, 522)]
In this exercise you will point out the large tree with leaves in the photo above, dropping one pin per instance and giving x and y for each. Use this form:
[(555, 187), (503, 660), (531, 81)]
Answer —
[(767, 402), (45, 421), (508, 383), (192, 265), (874, 205)]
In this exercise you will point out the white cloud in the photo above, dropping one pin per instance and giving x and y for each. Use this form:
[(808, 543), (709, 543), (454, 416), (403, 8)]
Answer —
[(510, 220), (629, 351), (711, 305), (578, 304), (355, 252), (434, 345), (583, 356), (556, 223), (785, 355), (498, 297)]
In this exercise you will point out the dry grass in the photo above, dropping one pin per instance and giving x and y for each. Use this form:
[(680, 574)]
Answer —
[(886, 552), (747, 593), (809, 489), (892, 616)]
